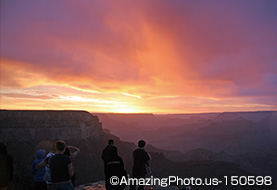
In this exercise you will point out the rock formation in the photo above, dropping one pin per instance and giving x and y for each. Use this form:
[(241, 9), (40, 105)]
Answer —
[(24, 132), (48, 125)]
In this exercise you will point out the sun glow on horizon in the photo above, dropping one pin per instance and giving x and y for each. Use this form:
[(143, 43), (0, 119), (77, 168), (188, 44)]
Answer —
[(134, 57), (124, 109)]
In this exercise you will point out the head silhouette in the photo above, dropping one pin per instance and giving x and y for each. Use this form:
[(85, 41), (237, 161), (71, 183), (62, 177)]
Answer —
[(111, 142), (60, 145), (141, 143)]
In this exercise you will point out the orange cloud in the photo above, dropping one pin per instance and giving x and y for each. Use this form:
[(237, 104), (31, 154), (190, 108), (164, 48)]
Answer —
[(116, 56)]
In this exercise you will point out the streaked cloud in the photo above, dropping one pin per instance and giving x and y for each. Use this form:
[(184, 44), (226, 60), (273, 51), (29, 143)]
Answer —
[(139, 56)]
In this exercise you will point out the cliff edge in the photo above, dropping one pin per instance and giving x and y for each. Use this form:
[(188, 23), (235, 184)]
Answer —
[(48, 125)]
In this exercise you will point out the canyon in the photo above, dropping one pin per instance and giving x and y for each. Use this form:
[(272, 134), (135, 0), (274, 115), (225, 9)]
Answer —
[(24, 132)]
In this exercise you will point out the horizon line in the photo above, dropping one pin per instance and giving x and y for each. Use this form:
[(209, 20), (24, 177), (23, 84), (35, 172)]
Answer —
[(139, 113)]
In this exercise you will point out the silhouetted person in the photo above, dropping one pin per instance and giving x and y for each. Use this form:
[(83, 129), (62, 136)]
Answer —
[(140, 157), (106, 151), (61, 168), (114, 167), (105, 155), (39, 182), (6, 167), (72, 156)]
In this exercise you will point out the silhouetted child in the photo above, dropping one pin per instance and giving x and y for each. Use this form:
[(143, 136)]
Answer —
[(39, 182)]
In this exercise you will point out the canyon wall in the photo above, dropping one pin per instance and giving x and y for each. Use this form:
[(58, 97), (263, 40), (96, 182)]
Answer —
[(48, 125), (24, 132)]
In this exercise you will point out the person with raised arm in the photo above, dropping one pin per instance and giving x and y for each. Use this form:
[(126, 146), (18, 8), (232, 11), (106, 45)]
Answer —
[(61, 168), (72, 156)]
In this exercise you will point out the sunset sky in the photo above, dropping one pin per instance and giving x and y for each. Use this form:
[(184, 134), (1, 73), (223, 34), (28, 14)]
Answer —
[(139, 56)]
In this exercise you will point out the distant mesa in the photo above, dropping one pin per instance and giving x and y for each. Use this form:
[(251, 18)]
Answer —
[(48, 125)]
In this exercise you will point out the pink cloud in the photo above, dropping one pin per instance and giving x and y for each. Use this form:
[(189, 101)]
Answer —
[(146, 48)]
